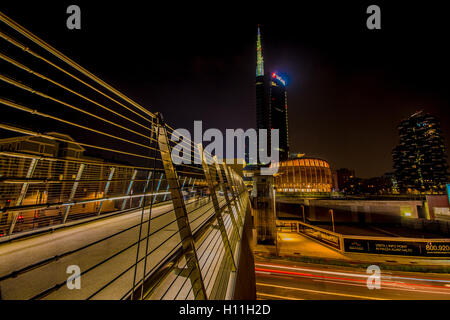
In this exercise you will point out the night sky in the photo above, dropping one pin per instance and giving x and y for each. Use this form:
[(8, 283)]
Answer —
[(348, 87)]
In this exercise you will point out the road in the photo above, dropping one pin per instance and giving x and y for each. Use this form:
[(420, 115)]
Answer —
[(287, 280), (105, 250)]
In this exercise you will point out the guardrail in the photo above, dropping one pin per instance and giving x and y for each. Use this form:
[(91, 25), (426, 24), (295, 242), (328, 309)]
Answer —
[(409, 247), (157, 229)]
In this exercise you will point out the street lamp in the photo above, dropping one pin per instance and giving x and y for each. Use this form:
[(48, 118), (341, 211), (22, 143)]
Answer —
[(332, 218)]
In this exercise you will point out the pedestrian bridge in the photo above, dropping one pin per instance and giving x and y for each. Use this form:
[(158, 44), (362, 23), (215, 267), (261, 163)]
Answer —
[(92, 203)]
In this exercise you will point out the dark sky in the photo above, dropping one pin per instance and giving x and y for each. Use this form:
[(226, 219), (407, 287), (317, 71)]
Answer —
[(348, 87)]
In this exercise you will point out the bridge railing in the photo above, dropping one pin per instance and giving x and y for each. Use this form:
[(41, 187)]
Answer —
[(369, 245), (73, 150)]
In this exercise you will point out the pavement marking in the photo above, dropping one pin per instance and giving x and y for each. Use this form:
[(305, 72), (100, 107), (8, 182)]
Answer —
[(343, 283), (319, 292), (312, 270), (279, 297), (385, 287)]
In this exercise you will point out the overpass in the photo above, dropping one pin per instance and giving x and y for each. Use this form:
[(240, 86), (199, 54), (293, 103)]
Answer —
[(93, 202)]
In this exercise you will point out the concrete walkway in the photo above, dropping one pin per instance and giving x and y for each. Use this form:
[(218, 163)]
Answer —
[(294, 244)]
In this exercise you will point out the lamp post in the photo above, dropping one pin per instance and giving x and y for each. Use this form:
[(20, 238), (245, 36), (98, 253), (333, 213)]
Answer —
[(332, 219)]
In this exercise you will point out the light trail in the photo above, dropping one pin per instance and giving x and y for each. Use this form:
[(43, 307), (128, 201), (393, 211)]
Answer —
[(319, 292), (277, 296), (412, 287), (350, 274)]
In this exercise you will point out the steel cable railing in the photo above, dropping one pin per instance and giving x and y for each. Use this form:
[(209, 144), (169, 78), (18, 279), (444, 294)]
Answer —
[(106, 160)]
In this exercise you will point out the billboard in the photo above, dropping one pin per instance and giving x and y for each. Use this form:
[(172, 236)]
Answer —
[(403, 248)]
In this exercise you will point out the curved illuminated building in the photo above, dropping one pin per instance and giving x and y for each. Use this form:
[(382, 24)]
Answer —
[(303, 175)]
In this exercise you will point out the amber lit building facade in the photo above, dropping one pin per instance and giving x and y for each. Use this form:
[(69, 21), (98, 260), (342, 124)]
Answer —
[(303, 175)]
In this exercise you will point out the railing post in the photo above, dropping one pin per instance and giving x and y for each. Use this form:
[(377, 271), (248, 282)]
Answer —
[(193, 184), (227, 199), (105, 192), (74, 190), (218, 214), (22, 194), (145, 187), (157, 188), (187, 240), (239, 190), (189, 183), (242, 191), (165, 195), (129, 188), (184, 181), (234, 193)]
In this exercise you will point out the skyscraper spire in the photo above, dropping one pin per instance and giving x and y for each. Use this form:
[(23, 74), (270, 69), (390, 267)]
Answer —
[(259, 56)]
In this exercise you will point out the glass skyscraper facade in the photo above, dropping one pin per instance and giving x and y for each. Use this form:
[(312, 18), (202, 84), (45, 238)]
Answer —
[(271, 103), (420, 160)]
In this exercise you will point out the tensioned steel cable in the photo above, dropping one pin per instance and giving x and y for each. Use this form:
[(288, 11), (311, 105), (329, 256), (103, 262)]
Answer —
[(56, 287), (184, 282), (33, 133), (23, 31), (122, 152), (70, 62), (187, 140), (173, 266), (148, 229), (171, 269), (203, 242), (41, 94), (36, 55), (161, 279), (215, 237), (30, 267), (87, 161), (42, 114), (177, 276), (23, 67)]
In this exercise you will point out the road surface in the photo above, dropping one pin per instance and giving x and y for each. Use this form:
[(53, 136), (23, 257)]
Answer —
[(287, 280)]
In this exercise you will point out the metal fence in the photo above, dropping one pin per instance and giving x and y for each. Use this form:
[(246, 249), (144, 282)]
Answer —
[(92, 173)]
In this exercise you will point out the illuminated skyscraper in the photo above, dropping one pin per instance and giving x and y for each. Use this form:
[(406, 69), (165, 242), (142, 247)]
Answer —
[(420, 160), (279, 113), (262, 103), (271, 102)]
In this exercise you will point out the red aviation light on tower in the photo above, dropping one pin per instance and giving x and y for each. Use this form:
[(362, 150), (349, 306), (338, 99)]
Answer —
[(274, 75)]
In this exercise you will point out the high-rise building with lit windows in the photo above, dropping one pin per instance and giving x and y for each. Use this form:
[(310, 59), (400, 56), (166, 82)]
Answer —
[(278, 112), (420, 159), (271, 102)]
